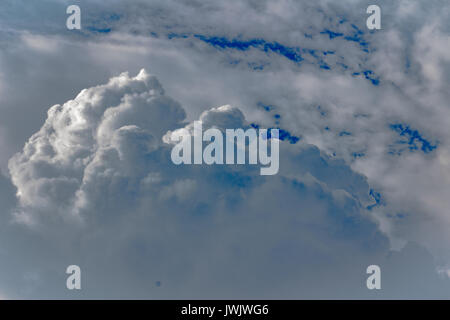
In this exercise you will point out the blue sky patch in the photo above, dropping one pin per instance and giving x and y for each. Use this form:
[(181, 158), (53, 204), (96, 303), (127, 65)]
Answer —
[(413, 138), (283, 135), (332, 34), (376, 196), (99, 30)]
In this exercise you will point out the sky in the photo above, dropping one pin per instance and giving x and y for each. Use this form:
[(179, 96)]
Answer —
[(86, 176)]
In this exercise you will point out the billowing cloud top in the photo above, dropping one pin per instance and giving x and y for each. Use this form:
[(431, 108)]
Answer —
[(99, 172)]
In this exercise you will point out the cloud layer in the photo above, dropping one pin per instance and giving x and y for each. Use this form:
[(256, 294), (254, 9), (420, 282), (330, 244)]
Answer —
[(364, 165)]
